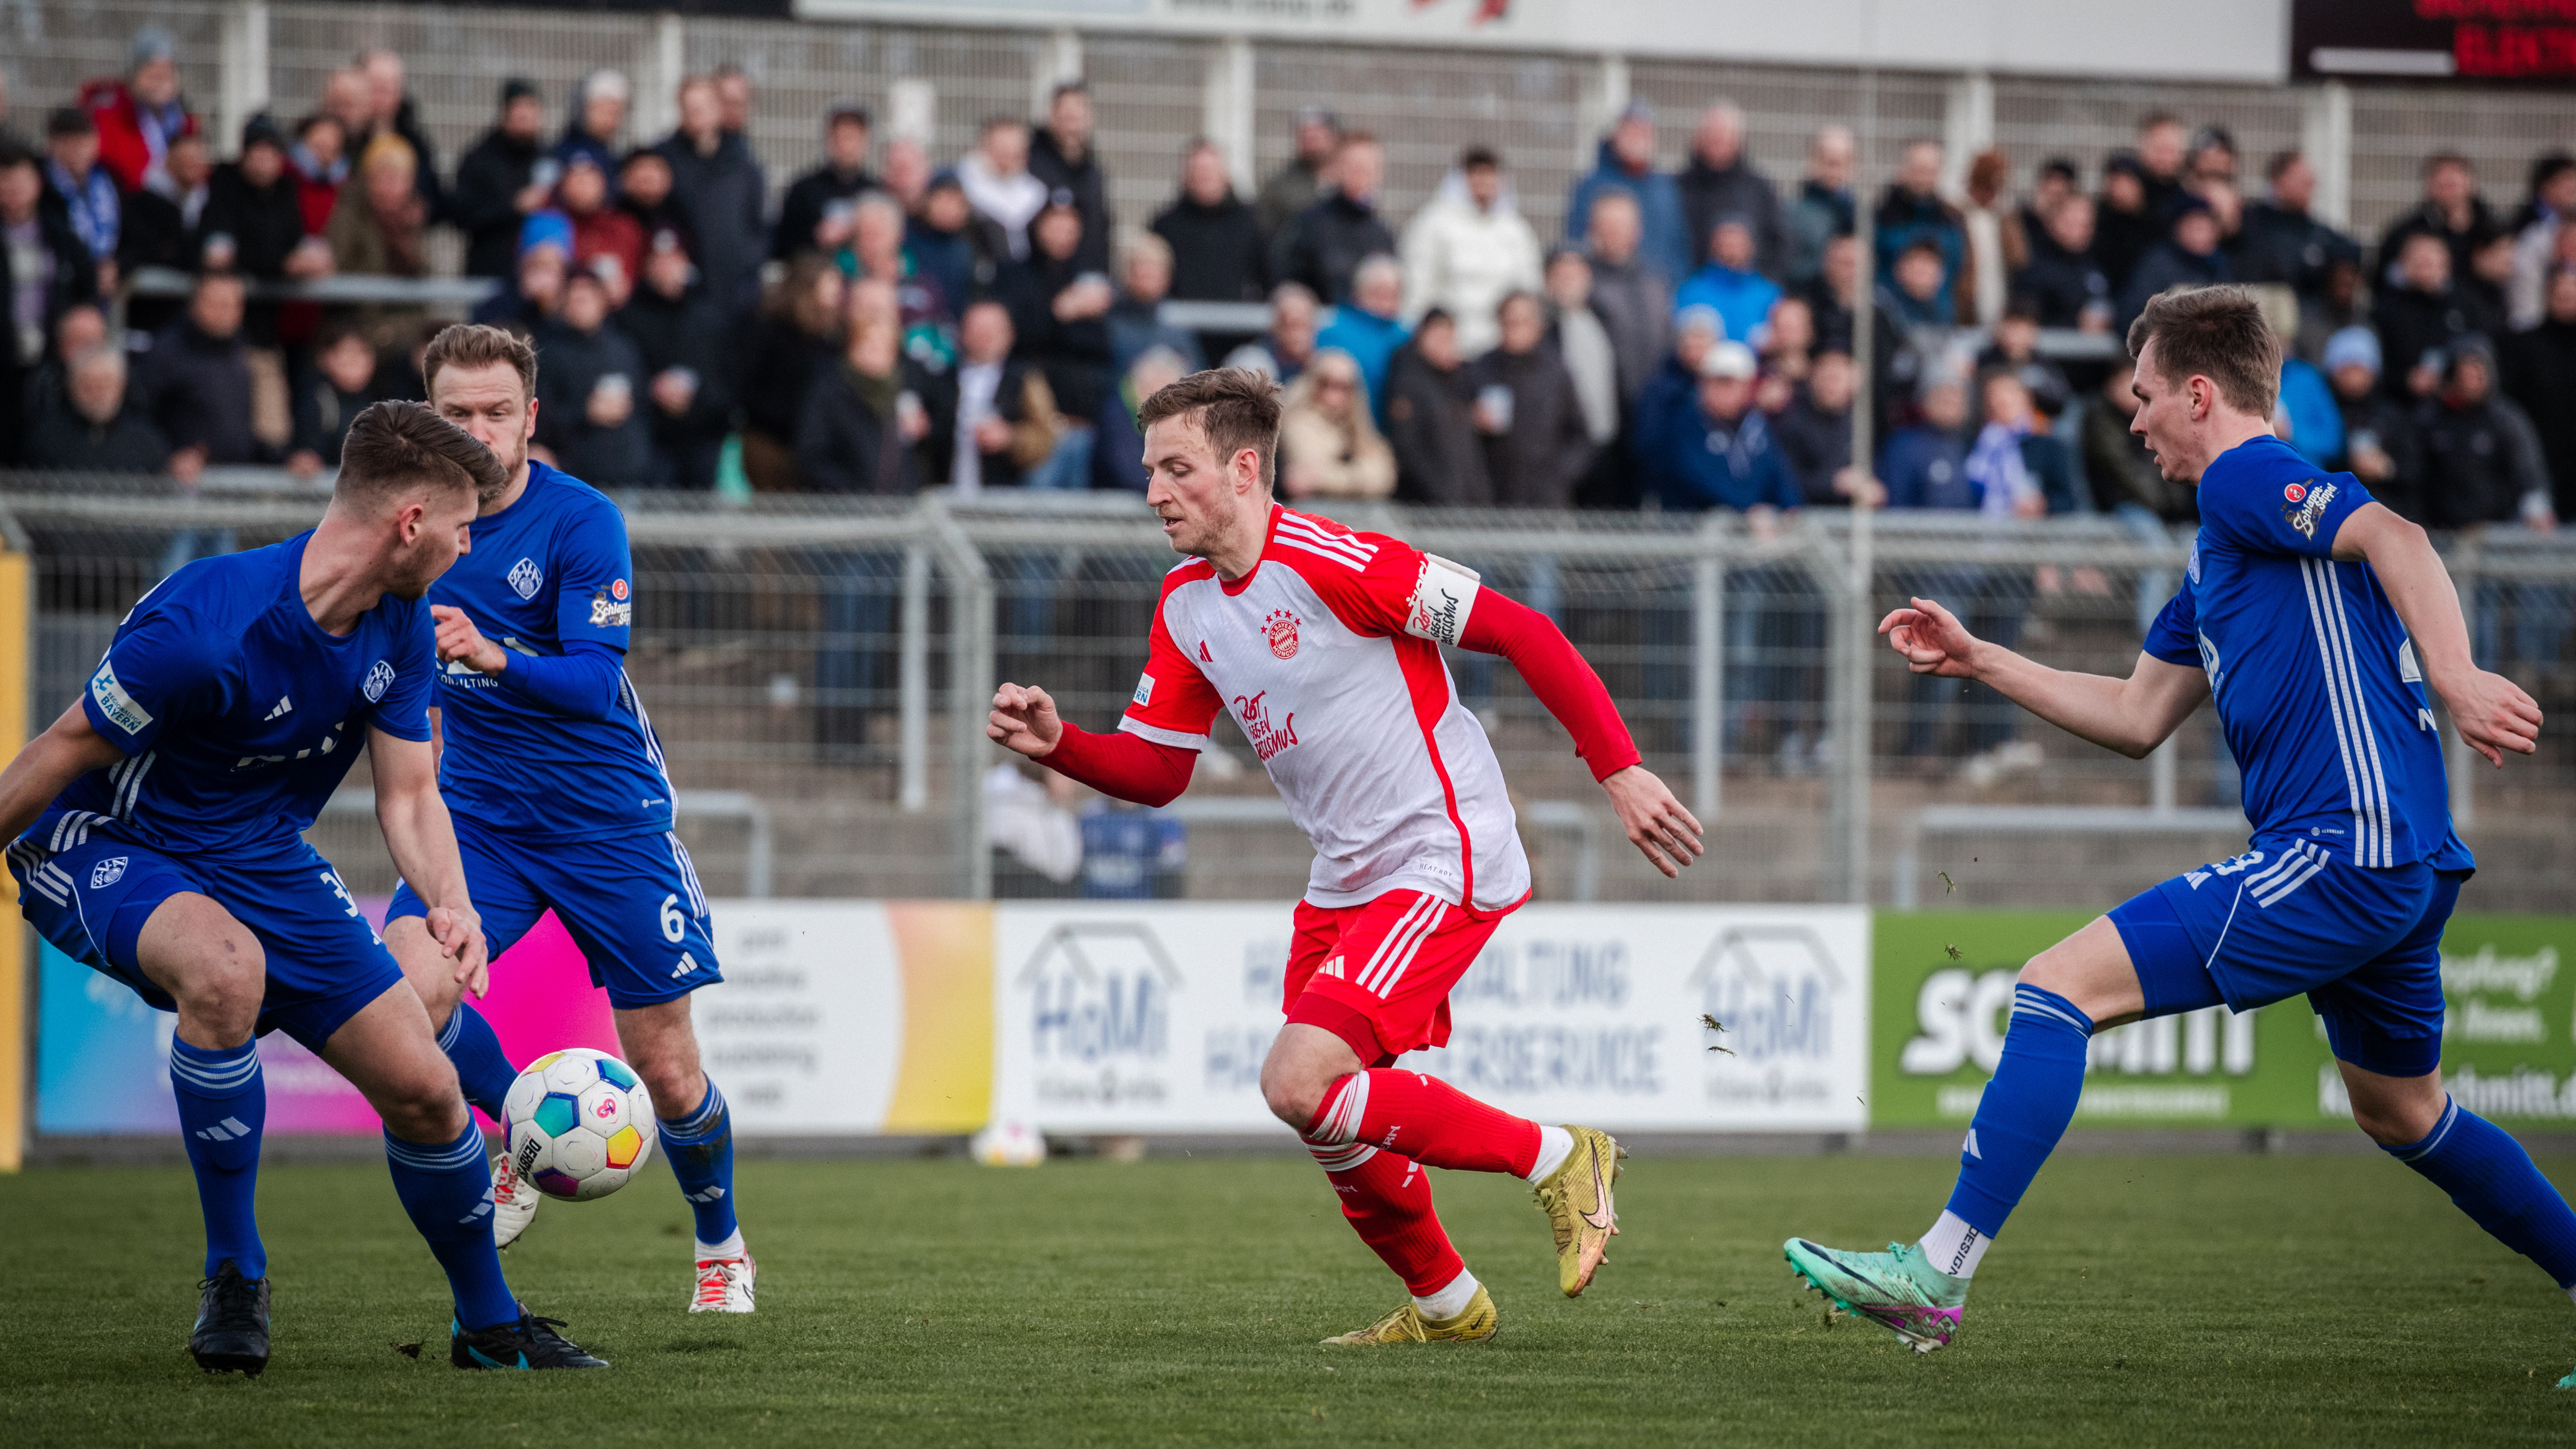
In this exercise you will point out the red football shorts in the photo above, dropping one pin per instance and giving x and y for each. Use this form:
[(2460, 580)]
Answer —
[(1378, 975)]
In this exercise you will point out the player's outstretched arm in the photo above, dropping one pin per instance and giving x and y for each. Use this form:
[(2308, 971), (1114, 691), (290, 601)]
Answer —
[(67, 750), (422, 840), (1145, 772), (1655, 822), (2490, 711), (2132, 715)]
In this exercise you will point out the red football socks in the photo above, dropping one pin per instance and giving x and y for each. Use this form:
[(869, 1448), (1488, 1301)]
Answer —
[(1388, 1201), (1426, 1119)]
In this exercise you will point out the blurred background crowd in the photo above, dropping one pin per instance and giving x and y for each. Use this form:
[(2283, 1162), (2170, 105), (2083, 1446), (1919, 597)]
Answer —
[(897, 319)]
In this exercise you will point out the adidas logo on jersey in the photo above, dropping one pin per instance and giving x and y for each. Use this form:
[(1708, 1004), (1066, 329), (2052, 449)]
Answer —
[(688, 964), (1332, 968), (284, 706)]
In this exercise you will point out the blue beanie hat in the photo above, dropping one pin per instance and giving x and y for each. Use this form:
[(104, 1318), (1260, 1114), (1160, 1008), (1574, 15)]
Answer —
[(2352, 346)]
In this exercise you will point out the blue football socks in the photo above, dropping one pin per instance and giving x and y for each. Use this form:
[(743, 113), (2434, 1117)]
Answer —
[(223, 1103), (447, 1189), (2025, 1108), (700, 1147), (482, 1069), (2491, 1178)]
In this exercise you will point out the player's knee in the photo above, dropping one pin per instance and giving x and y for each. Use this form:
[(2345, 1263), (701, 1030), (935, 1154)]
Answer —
[(1293, 1095), (677, 1087), (425, 1104), (223, 987), (432, 977), (2395, 1121)]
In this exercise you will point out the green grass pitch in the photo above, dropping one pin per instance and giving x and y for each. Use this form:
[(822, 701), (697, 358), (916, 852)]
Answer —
[(2136, 1300)]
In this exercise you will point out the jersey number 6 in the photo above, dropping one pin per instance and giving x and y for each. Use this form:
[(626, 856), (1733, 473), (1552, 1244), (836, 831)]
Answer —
[(674, 925)]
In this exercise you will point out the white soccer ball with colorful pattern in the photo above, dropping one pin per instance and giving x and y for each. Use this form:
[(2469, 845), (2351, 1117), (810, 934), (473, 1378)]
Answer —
[(579, 1124)]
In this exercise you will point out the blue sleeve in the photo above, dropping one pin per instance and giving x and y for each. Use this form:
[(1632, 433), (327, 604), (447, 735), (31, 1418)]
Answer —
[(2175, 635), (158, 673), (403, 712), (2272, 509), (595, 601), (581, 682)]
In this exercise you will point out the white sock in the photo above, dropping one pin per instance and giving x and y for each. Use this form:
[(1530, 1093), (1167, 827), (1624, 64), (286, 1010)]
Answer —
[(1953, 1246), (1555, 1144), (729, 1248), (1449, 1302)]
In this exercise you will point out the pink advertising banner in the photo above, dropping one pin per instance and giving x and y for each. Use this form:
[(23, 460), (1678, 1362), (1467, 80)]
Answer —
[(102, 1056)]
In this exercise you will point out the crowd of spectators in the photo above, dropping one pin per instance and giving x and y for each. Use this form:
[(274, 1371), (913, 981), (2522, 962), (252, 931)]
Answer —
[(900, 320)]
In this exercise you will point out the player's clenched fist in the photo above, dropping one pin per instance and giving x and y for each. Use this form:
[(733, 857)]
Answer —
[(460, 641), (1932, 640), (1024, 720)]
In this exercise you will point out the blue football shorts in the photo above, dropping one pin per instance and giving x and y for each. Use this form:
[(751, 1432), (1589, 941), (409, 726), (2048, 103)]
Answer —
[(92, 895), (2290, 916), (633, 906)]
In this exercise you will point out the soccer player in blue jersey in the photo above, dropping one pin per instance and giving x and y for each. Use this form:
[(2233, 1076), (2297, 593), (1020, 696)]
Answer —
[(158, 829), (2317, 619), (560, 797)]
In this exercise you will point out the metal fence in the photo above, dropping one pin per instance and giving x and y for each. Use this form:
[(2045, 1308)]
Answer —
[(829, 663)]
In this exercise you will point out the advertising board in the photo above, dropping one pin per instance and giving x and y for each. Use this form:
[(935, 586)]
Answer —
[(1117, 1018), (2508, 1050)]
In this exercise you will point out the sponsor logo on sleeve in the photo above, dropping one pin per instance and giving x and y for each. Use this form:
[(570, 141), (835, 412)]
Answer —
[(1144, 690), (379, 679), (2307, 506), (119, 707), (607, 612), (1444, 593), (526, 578)]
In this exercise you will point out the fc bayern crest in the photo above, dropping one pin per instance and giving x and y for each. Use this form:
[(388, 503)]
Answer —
[(1281, 630), (379, 679), (527, 578)]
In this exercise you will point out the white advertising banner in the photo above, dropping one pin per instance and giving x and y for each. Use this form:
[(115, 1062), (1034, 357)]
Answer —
[(806, 1029), (1143, 1018)]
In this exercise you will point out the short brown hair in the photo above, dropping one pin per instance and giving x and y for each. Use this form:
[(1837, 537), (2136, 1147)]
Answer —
[(471, 344), (2217, 333), (394, 447), (1236, 407)]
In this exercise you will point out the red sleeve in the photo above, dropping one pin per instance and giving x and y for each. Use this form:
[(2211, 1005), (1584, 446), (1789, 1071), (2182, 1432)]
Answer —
[(1557, 674), (1133, 769), (1174, 704)]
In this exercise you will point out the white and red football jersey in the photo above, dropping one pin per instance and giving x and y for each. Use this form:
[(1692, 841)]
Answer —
[(1328, 656)]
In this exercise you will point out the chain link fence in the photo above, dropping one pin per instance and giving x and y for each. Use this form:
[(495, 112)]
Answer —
[(828, 664)]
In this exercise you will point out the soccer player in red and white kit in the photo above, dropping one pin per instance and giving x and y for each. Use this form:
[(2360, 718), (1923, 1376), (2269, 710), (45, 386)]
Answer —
[(1324, 644)]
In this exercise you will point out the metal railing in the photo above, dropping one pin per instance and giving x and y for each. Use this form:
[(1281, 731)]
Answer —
[(831, 660)]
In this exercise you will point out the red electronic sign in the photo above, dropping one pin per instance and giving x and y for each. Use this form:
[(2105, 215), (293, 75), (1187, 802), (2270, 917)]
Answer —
[(2479, 40)]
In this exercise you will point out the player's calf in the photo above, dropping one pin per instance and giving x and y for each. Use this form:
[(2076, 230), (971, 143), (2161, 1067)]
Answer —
[(697, 1139)]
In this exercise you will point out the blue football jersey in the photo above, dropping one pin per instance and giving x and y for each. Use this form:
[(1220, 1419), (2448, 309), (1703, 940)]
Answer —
[(548, 571), (2315, 681), (237, 715)]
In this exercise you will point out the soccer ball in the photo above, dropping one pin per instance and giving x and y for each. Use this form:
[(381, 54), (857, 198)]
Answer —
[(579, 1124), (1008, 1144)]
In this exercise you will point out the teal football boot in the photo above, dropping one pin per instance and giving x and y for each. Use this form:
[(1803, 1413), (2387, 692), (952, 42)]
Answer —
[(1899, 1290)]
